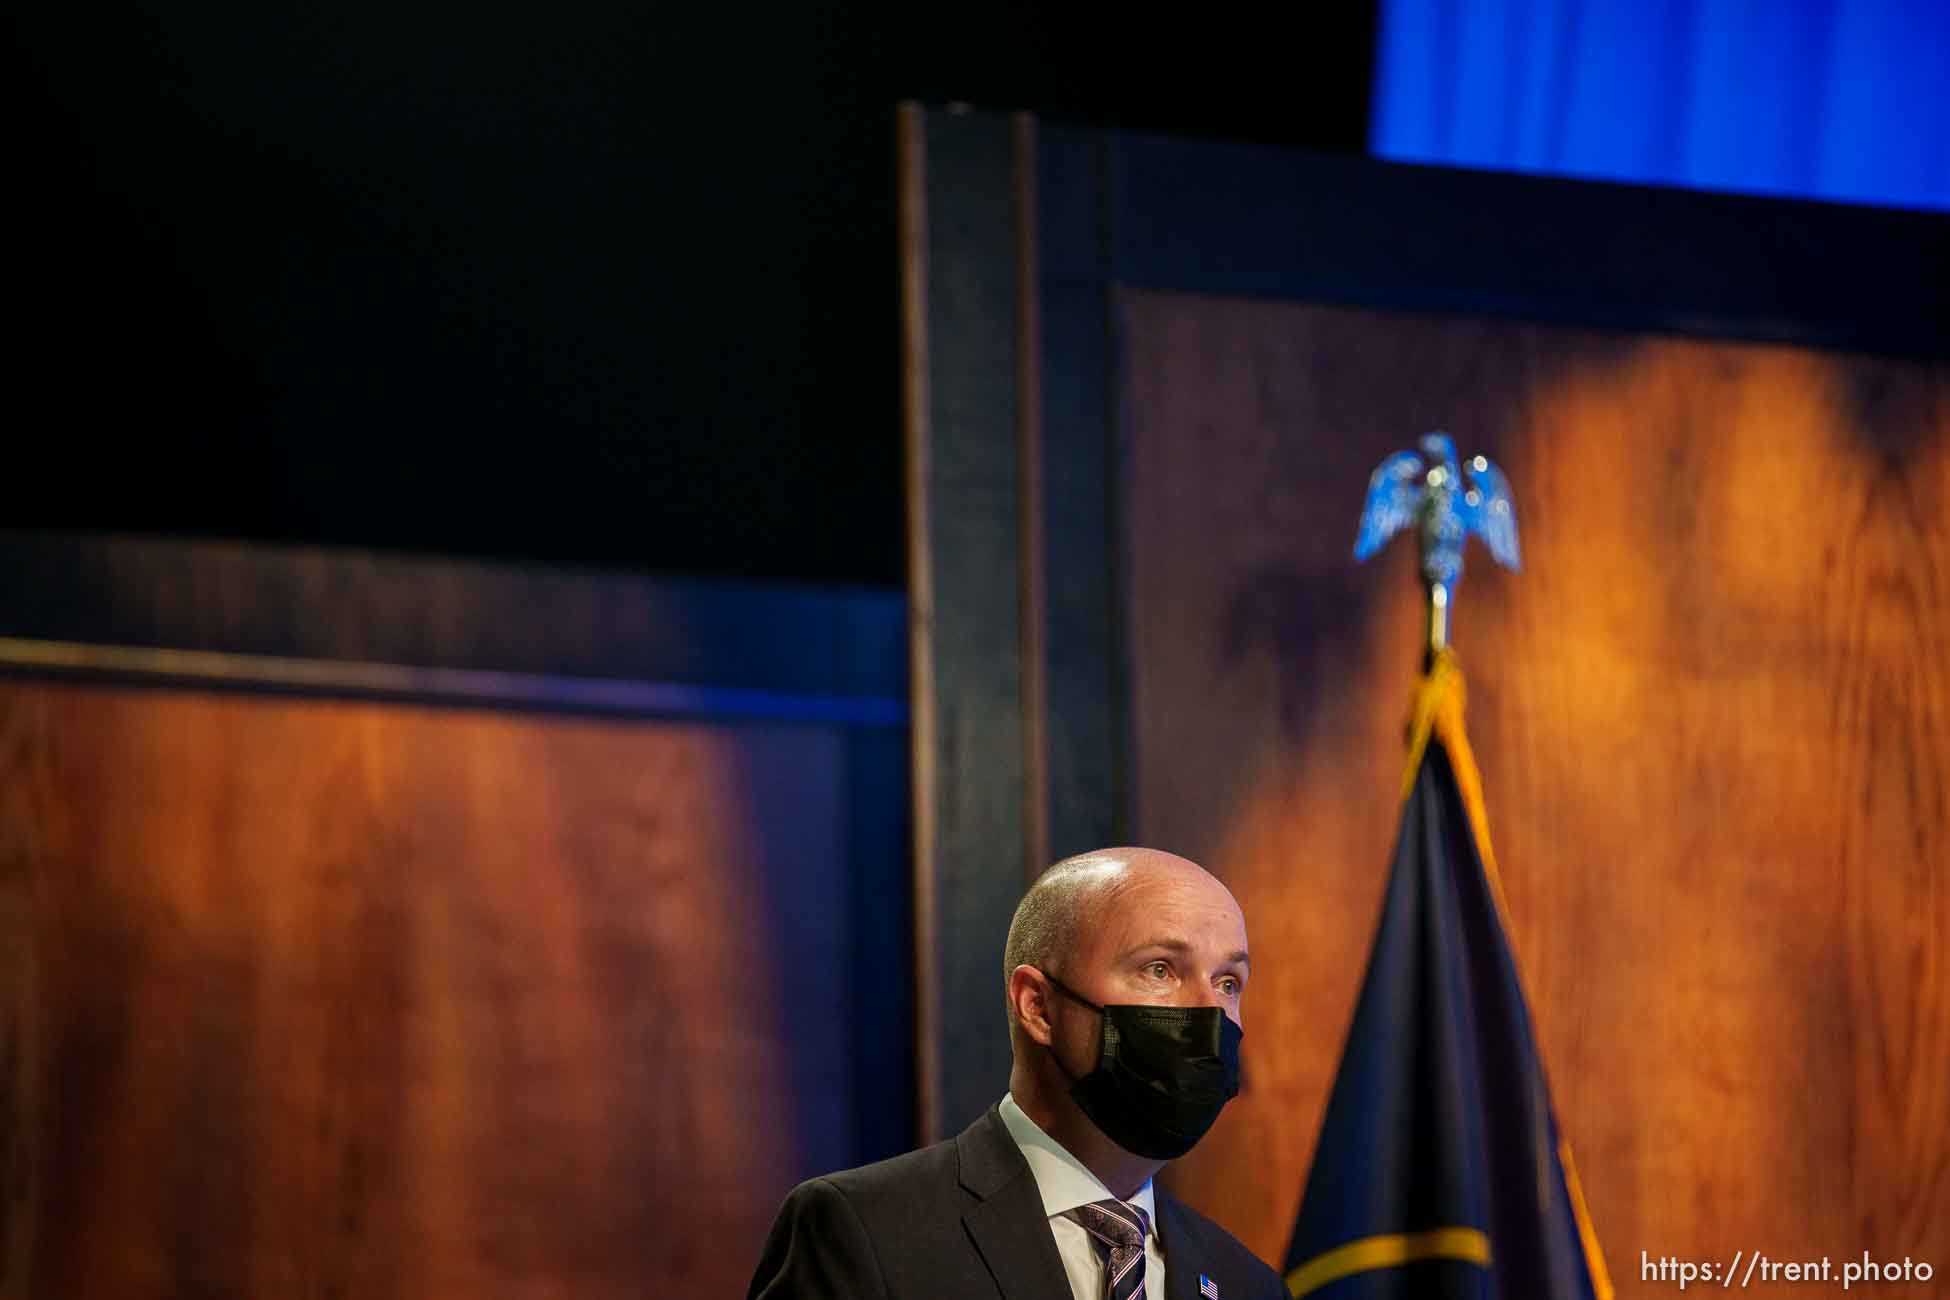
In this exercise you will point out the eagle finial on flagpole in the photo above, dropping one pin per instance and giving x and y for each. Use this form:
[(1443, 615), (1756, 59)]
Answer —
[(1447, 501)]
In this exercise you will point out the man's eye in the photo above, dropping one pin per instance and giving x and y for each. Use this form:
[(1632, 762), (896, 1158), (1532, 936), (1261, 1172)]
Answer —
[(1231, 986), (1157, 970)]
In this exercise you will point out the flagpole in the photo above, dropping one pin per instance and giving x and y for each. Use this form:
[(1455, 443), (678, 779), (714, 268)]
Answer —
[(1442, 499), (1438, 639)]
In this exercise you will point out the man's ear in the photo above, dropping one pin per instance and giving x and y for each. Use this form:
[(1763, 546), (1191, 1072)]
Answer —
[(1029, 995)]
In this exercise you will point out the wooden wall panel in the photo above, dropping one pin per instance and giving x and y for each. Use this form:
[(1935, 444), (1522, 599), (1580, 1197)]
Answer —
[(1713, 718), (350, 999)]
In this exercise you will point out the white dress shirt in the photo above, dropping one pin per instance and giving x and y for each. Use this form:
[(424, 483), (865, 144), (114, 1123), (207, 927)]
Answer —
[(1065, 1184)]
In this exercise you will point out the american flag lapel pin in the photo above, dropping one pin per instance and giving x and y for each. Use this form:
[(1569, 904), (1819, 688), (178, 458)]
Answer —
[(1207, 1287)]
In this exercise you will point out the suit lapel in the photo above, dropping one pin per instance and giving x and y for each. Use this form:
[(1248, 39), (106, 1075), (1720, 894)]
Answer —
[(1012, 1232), (1008, 1227)]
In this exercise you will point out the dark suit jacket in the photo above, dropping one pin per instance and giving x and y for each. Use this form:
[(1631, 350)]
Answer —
[(962, 1220)]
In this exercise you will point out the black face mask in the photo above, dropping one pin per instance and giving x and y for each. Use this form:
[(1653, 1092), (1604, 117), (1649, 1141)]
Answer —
[(1163, 1074)]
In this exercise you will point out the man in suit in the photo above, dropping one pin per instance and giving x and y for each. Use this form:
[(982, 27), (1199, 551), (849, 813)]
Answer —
[(1124, 971)]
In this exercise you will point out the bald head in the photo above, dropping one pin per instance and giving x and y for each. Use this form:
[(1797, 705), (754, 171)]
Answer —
[(1064, 911)]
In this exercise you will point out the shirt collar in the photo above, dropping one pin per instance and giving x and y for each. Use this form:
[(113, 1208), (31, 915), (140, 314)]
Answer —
[(1062, 1179)]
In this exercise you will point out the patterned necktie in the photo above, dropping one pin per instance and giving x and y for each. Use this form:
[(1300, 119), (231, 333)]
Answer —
[(1118, 1230)]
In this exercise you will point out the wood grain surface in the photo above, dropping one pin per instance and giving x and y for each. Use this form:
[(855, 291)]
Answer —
[(304, 998), (1712, 714)]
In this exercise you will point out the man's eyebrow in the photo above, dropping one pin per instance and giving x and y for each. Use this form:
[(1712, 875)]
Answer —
[(1169, 945), (1238, 958)]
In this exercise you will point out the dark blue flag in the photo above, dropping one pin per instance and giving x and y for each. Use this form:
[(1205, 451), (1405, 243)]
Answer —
[(1440, 1174)]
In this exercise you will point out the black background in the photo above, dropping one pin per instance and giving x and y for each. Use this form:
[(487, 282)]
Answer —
[(610, 285)]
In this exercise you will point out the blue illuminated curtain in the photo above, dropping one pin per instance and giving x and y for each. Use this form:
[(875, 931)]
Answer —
[(1832, 99)]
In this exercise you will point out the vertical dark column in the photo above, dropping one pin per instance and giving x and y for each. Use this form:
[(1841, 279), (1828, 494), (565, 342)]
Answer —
[(1083, 724), (960, 260)]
